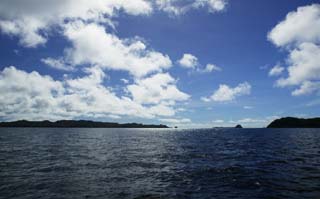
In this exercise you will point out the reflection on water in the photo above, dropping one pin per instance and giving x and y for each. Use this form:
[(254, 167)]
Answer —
[(151, 163)]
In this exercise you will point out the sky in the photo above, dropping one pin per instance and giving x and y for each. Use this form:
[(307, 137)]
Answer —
[(186, 63)]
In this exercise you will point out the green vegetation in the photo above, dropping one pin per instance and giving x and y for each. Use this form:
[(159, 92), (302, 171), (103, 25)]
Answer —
[(291, 122), (76, 124)]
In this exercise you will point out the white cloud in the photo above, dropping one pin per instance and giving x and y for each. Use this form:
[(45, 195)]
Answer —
[(92, 45), (88, 26), (27, 30), (306, 88), (250, 120), (28, 94), (214, 5), (188, 61), (114, 116), (175, 121), (31, 21), (248, 107), (156, 89), (304, 65), (205, 99), (226, 93), (211, 68), (299, 26), (125, 81), (299, 33), (82, 23), (57, 64), (254, 122), (246, 122), (276, 70), (170, 7), (33, 96), (178, 7)]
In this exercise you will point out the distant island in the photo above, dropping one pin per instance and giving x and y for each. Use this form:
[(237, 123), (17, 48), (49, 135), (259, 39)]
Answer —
[(76, 124), (291, 122)]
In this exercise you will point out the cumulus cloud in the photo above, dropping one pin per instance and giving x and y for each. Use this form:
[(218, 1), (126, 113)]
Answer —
[(298, 27), (28, 94), (156, 89), (304, 65), (34, 96), (92, 45), (211, 68), (306, 88), (226, 93), (178, 7), (188, 61), (89, 27), (214, 5), (83, 23), (299, 34), (276, 70), (57, 64), (31, 21)]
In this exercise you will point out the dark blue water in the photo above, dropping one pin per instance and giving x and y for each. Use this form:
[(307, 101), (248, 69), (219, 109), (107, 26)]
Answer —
[(140, 163)]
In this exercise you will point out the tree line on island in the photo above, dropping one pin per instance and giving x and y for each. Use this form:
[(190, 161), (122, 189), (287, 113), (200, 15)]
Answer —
[(77, 124), (292, 122), (287, 122)]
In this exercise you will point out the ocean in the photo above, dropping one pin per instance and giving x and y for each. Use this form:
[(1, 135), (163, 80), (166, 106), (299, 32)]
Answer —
[(159, 163)]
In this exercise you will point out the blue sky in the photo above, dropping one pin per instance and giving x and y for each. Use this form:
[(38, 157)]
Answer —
[(197, 63)]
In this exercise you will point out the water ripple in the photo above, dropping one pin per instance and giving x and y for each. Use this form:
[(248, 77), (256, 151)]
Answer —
[(156, 164)]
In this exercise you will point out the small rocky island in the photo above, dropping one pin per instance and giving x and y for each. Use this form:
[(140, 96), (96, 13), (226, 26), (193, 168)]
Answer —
[(76, 124), (291, 122), (238, 126)]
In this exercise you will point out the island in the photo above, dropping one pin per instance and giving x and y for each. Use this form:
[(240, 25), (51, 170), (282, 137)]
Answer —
[(76, 124), (292, 122), (238, 126)]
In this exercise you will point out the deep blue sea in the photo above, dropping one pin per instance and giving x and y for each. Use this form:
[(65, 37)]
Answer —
[(159, 163)]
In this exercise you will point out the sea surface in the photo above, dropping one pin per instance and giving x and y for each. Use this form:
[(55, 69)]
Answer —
[(159, 163)]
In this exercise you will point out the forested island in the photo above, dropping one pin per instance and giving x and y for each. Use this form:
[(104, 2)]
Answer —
[(76, 124), (291, 122)]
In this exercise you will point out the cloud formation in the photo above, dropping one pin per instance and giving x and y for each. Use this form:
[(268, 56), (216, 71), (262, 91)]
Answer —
[(32, 21), (225, 93), (191, 62), (178, 7), (156, 89), (90, 29), (34, 96), (92, 45), (299, 34), (298, 27), (276, 70), (211, 68), (188, 61), (176, 121)]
